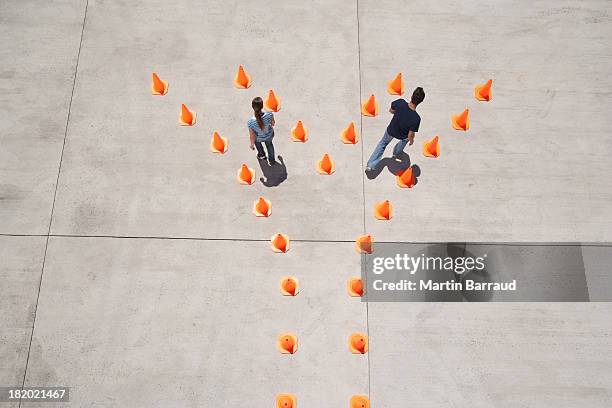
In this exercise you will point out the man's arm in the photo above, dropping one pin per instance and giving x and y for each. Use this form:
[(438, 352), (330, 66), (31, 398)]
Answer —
[(410, 138)]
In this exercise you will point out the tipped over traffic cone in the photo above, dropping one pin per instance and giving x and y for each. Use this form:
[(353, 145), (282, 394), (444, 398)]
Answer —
[(287, 343), (354, 287), (326, 165), (359, 401), (358, 343), (299, 133), (218, 144), (272, 102), (242, 79), (383, 210), (461, 121), (349, 135), (396, 86), (363, 244), (158, 86), (187, 117), (431, 148), (405, 178), (370, 107), (245, 175), (289, 286), (483, 92), (280, 243), (286, 401), (262, 207)]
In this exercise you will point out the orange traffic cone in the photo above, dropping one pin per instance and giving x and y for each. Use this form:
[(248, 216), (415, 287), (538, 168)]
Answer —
[(363, 244), (483, 92), (289, 286), (396, 86), (461, 121), (287, 343), (326, 165), (354, 287), (159, 86), (242, 79), (272, 102), (383, 210), (187, 117), (299, 133), (262, 207), (280, 243), (370, 107), (359, 401), (286, 401), (218, 144), (245, 175), (358, 343), (349, 135), (431, 148), (405, 178)]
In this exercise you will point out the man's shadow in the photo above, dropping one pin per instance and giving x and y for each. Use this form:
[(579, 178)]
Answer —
[(273, 175), (394, 166)]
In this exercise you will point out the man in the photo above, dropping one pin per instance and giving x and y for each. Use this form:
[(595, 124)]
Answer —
[(404, 124)]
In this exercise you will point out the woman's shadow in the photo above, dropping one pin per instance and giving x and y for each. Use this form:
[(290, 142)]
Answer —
[(273, 175), (395, 166)]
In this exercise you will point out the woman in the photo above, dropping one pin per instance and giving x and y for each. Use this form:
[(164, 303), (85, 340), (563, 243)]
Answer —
[(261, 131)]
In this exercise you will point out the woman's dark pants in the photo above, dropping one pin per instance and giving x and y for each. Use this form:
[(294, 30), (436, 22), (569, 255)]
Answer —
[(269, 148)]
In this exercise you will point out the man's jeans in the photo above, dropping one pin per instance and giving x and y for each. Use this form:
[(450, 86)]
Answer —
[(380, 149), (269, 147)]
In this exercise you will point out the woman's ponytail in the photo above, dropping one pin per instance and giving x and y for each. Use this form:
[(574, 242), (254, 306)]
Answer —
[(257, 105)]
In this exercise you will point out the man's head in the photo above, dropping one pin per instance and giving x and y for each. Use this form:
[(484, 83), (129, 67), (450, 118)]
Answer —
[(417, 96)]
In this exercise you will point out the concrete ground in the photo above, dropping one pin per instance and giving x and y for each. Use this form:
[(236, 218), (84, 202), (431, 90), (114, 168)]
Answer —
[(133, 271)]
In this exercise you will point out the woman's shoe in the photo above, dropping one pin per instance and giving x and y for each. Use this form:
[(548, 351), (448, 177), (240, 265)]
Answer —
[(261, 157)]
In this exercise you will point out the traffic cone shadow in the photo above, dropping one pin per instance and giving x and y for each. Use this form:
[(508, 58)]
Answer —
[(273, 175)]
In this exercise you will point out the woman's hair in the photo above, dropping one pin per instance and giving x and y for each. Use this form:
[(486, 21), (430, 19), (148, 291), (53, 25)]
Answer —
[(257, 105)]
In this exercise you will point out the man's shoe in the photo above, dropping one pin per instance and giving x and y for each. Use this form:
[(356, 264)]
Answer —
[(368, 169), (261, 157)]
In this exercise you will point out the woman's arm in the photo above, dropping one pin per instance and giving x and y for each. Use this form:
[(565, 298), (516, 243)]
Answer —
[(272, 122), (252, 138)]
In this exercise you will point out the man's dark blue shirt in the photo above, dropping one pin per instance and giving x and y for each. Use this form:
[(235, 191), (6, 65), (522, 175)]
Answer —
[(404, 120)]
